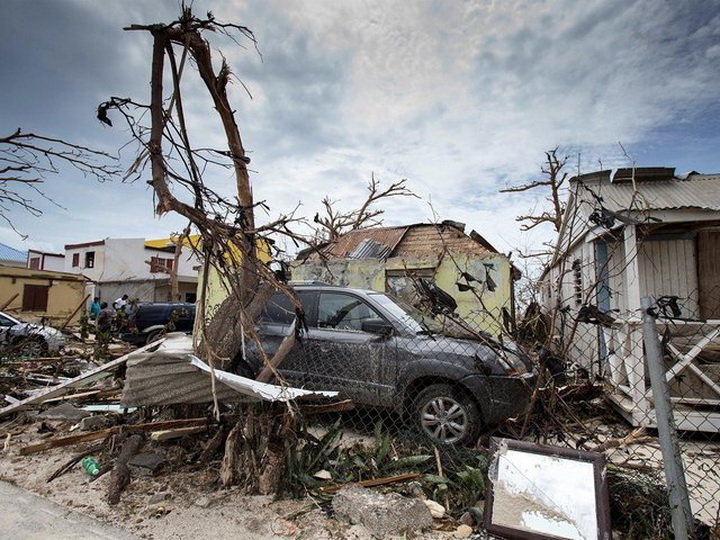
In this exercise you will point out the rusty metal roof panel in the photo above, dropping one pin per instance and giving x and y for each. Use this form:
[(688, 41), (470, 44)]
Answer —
[(430, 238), (349, 245)]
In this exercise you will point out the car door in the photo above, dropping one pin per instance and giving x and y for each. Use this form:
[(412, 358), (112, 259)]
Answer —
[(5, 324), (275, 324), (345, 352)]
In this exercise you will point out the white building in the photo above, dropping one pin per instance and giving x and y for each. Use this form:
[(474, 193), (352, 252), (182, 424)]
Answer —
[(133, 266), (40, 260)]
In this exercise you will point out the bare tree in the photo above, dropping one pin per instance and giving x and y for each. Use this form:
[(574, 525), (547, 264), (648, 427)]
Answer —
[(230, 237), (335, 223), (553, 182), (26, 159)]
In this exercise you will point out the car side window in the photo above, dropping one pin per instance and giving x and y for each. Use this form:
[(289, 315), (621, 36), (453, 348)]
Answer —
[(4, 321), (344, 312), (280, 310)]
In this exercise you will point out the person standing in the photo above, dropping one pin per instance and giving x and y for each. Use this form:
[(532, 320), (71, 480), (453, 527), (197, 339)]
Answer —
[(95, 308), (121, 302), (104, 321)]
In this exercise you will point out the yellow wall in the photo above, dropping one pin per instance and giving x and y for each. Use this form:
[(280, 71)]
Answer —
[(484, 313), (66, 293), (217, 288)]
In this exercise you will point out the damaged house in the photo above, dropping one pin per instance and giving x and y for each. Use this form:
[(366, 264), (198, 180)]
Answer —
[(394, 259), (643, 232)]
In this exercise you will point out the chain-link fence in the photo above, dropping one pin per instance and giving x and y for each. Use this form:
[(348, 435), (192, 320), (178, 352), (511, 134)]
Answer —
[(429, 390), (609, 347)]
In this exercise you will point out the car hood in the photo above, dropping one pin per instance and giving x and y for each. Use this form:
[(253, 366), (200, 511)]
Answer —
[(52, 336), (499, 358)]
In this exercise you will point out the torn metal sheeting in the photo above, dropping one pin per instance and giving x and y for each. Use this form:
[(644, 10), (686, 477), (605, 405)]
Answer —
[(264, 391), (81, 380), (172, 374)]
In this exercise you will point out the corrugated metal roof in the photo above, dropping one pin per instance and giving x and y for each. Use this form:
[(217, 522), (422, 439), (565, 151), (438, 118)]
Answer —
[(700, 191), (8, 253), (349, 243)]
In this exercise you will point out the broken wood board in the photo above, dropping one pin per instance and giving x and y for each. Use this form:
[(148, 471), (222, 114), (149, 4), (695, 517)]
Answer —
[(81, 380), (95, 435), (167, 434)]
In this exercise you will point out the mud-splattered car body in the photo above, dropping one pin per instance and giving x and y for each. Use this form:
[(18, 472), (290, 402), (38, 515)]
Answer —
[(381, 353)]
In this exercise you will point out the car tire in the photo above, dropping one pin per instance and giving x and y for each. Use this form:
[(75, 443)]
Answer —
[(447, 415), (153, 336), (32, 346)]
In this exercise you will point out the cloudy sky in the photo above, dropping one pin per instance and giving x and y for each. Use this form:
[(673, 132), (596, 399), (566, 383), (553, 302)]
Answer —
[(459, 98)]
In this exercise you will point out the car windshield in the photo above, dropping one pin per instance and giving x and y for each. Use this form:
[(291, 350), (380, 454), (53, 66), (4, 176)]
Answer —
[(414, 319)]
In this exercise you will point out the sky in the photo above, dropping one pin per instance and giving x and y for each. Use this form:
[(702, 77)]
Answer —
[(461, 99)]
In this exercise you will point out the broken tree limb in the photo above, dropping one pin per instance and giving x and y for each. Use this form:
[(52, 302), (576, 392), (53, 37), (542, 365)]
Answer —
[(635, 437), (285, 347), (227, 468), (67, 321), (373, 482), (95, 435), (120, 475), (72, 462), (212, 446), (6, 304)]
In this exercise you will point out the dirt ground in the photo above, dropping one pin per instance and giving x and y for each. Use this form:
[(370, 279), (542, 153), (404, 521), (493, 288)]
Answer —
[(175, 505)]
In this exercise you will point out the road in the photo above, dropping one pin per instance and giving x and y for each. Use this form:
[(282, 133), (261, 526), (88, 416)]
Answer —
[(26, 516)]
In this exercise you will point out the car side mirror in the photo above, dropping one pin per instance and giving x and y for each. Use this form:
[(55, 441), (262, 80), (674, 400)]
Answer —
[(377, 326)]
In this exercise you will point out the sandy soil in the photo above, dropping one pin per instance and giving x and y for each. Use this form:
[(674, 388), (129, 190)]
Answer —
[(173, 505)]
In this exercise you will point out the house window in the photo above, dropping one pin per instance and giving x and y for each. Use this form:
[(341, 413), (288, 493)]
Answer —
[(35, 263), (35, 297), (76, 260), (90, 259), (158, 264), (577, 281)]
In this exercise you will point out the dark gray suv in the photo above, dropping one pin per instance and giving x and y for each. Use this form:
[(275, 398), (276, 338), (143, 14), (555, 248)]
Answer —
[(380, 352)]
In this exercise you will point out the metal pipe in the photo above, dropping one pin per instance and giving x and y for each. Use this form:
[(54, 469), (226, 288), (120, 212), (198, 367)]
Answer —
[(682, 518)]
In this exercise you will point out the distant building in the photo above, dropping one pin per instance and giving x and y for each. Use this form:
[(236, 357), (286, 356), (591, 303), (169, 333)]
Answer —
[(33, 295), (134, 266), (40, 260), (10, 256), (394, 259)]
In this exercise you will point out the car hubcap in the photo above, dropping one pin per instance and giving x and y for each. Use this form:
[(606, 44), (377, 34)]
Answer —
[(444, 419), (31, 347)]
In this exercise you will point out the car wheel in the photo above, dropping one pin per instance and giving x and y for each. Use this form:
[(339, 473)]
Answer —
[(153, 336), (32, 346), (447, 415)]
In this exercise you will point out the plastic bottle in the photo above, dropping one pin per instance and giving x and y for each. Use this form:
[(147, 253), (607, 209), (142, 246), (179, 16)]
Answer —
[(91, 466)]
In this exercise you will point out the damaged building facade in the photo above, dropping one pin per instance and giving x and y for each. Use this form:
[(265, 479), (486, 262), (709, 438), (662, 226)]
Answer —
[(643, 232), (394, 259)]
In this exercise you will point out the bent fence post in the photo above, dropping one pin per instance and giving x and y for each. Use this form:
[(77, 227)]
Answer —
[(682, 518)]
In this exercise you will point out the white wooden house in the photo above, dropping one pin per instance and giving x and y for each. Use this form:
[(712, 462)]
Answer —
[(642, 232)]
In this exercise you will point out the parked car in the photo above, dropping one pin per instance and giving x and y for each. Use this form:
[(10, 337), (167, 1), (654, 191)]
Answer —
[(380, 352), (29, 339), (148, 320)]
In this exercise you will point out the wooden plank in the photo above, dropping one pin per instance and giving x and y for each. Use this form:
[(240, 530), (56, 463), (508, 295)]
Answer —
[(167, 434), (81, 380), (95, 435), (709, 273)]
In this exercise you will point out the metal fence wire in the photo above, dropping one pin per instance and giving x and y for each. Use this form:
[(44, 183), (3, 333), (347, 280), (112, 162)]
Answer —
[(431, 395), (609, 347)]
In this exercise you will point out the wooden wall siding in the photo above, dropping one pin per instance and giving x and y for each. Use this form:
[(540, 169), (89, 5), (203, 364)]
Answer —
[(616, 277), (709, 274), (669, 268)]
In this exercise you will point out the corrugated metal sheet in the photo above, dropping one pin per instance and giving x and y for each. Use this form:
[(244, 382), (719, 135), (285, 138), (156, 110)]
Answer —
[(701, 191), (8, 253), (349, 242)]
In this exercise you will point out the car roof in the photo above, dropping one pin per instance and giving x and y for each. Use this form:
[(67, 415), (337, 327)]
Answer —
[(319, 286)]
